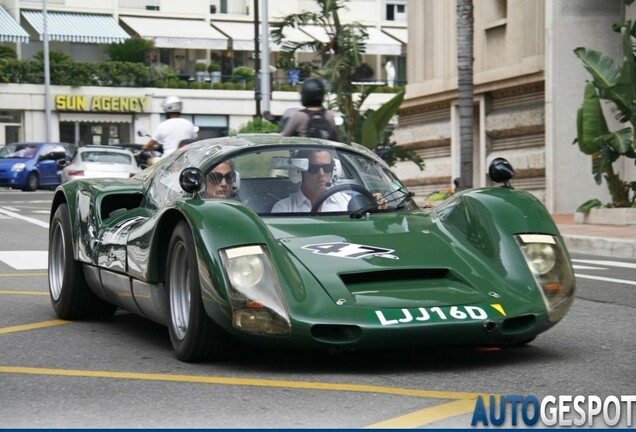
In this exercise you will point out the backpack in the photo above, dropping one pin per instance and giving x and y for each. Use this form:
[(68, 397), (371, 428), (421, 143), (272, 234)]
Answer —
[(319, 127)]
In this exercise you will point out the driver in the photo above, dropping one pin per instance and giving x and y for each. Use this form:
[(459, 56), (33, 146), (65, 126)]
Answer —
[(315, 181)]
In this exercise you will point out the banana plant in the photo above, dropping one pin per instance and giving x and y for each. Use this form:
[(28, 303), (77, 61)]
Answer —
[(615, 84)]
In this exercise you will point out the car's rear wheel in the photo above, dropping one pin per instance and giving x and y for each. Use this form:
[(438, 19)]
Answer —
[(193, 334), (71, 296), (33, 182)]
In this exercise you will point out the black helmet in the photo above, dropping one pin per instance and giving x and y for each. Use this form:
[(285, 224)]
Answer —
[(312, 92)]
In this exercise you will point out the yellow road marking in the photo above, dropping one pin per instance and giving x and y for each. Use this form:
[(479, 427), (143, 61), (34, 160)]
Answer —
[(35, 293), (43, 324), (427, 415), (243, 382), (22, 274)]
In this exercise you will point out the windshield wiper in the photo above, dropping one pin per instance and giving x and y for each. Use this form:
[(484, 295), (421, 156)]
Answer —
[(406, 195)]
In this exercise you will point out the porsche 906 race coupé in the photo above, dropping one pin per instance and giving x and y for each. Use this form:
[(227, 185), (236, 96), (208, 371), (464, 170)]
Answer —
[(362, 266)]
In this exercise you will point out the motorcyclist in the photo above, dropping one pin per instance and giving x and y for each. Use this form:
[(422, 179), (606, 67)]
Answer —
[(171, 131)]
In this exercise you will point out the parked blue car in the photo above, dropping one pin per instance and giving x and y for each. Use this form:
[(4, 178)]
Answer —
[(30, 165)]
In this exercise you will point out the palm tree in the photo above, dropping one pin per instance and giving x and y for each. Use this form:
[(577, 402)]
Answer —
[(7, 53), (465, 90), (343, 53)]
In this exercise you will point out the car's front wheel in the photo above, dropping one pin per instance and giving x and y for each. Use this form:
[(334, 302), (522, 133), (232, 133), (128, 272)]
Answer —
[(32, 182), (193, 334), (70, 294)]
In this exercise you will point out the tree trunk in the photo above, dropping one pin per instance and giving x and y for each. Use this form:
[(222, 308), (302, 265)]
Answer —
[(465, 91)]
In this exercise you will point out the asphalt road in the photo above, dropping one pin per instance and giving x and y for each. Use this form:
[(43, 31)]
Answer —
[(122, 373)]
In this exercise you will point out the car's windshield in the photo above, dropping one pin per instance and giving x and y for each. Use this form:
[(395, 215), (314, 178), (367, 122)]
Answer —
[(26, 151), (292, 181), (106, 157)]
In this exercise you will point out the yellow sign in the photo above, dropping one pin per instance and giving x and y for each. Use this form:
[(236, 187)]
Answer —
[(101, 103)]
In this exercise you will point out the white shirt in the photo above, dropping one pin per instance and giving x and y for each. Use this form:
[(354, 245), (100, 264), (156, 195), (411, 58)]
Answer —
[(299, 203), (172, 131)]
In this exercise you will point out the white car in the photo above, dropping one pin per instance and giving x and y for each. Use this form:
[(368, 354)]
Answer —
[(95, 161)]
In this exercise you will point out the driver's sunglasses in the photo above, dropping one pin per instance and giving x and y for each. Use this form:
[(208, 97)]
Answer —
[(217, 177), (314, 168)]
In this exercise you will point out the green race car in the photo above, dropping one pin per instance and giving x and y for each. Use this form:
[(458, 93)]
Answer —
[(305, 243)]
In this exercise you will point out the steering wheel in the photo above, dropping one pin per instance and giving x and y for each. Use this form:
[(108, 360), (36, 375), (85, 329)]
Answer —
[(340, 188)]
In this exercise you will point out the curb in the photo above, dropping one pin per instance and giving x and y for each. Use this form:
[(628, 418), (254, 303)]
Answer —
[(617, 248)]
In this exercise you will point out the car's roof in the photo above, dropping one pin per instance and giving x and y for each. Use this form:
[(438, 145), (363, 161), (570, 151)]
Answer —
[(113, 149), (39, 143)]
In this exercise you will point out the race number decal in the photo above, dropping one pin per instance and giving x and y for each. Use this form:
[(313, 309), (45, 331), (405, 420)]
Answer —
[(349, 250)]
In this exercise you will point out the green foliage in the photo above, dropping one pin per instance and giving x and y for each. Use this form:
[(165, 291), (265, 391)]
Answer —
[(242, 74), (54, 57), (161, 74), (588, 205), (341, 63), (615, 84), (214, 67), (258, 125), (200, 67), (122, 74), (7, 53), (135, 50)]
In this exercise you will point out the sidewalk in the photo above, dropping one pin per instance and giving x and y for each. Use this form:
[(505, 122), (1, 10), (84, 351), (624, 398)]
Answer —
[(617, 241)]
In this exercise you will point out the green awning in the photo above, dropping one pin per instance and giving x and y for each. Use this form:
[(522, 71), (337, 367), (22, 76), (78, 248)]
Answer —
[(10, 30), (77, 27)]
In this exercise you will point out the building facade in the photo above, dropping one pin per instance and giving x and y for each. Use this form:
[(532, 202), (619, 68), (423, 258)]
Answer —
[(184, 34), (528, 86)]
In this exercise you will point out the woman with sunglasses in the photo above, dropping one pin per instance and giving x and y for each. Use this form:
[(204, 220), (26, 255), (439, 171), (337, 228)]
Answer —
[(220, 181)]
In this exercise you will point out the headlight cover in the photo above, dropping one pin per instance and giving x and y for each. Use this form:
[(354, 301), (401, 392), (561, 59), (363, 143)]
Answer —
[(255, 294), (19, 167), (551, 270)]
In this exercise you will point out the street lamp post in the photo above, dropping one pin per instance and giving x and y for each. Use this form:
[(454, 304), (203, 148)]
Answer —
[(47, 73), (265, 80)]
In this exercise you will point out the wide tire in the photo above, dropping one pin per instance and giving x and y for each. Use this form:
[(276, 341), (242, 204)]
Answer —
[(70, 294), (33, 182), (194, 336)]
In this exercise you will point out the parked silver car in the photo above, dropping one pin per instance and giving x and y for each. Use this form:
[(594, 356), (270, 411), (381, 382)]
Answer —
[(96, 161)]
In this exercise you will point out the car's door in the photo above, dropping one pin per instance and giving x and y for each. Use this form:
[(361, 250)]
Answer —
[(47, 163)]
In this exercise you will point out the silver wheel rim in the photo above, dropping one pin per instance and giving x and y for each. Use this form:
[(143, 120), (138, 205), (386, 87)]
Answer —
[(179, 285), (57, 261)]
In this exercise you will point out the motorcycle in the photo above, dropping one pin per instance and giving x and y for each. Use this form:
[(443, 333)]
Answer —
[(142, 156)]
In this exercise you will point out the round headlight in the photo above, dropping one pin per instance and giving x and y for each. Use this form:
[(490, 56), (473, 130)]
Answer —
[(246, 271), (541, 256)]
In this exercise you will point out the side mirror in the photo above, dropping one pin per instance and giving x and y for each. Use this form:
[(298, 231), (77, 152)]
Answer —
[(61, 163), (191, 180), (501, 171)]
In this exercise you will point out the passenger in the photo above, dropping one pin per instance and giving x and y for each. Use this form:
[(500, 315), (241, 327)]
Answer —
[(220, 181)]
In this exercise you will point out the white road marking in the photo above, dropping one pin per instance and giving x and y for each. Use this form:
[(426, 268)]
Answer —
[(606, 263), (42, 211), (582, 267), (13, 209), (25, 260), (24, 218), (606, 279)]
